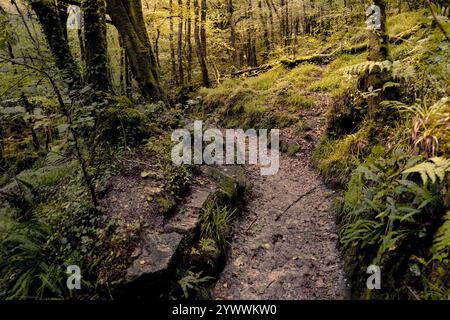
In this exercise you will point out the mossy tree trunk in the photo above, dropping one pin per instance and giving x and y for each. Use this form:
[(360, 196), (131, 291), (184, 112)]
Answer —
[(378, 52), (127, 17), (95, 44), (54, 30), (199, 46)]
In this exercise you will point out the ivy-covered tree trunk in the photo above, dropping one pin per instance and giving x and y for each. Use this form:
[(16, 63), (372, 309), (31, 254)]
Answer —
[(95, 44), (48, 15), (127, 17)]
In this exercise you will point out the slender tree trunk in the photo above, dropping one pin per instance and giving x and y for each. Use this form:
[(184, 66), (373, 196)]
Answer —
[(251, 47), (48, 15), (180, 43), (82, 48), (286, 31), (128, 78), (199, 47), (189, 41), (158, 33), (127, 17), (271, 25), (282, 22), (172, 44), (266, 42), (96, 48), (203, 27), (234, 53)]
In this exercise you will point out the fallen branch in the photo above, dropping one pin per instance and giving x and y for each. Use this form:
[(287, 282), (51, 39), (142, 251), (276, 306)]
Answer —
[(359, 48), (405, 35), (318, 58), (296, 201), (260, 68)]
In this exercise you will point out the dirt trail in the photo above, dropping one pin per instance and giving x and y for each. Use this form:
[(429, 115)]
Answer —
[(285, 244)]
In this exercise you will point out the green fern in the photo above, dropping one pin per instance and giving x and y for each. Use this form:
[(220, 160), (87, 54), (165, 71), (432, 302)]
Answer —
[(368, 66), (434, 169), (192, 281), (442, 237), (442, 11)]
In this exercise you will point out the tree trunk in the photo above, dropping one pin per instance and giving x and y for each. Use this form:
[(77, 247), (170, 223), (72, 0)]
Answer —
[(199, 47), (251, 47), (266, 43), (234, 53), (203, 28), (188, 40), (272, 32), (128, 78), (47, 13), (96, 48), (180, 43), (127, 17), (378, 52), (172, 45)]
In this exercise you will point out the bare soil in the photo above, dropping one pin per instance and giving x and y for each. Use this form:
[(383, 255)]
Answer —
[(284, 246)]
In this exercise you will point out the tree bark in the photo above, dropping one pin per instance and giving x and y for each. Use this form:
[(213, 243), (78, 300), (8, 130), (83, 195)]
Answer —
[(203, 27), (48, 15), (199, 46), (172, 45), (234, 53), (95, 44), (266, 43), (188, 40), (180, 43), (251, 47), (378, 52), (127, 17)]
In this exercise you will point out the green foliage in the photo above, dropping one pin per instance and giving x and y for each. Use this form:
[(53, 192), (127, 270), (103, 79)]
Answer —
[(442, 237), (429, 124), (335, 159), (192, 281), (434, 168), (335, 79), (27, 269), (215, 222), (121, 124), (270, 100), (387, 218)]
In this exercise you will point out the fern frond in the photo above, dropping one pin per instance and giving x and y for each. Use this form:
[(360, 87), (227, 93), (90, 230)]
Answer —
[(442, 238), (434, 168)]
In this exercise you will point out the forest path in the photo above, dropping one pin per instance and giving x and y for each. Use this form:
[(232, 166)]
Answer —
[(284, 246)]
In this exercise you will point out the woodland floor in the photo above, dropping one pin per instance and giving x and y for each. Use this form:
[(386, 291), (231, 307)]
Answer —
[(284, 246)]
